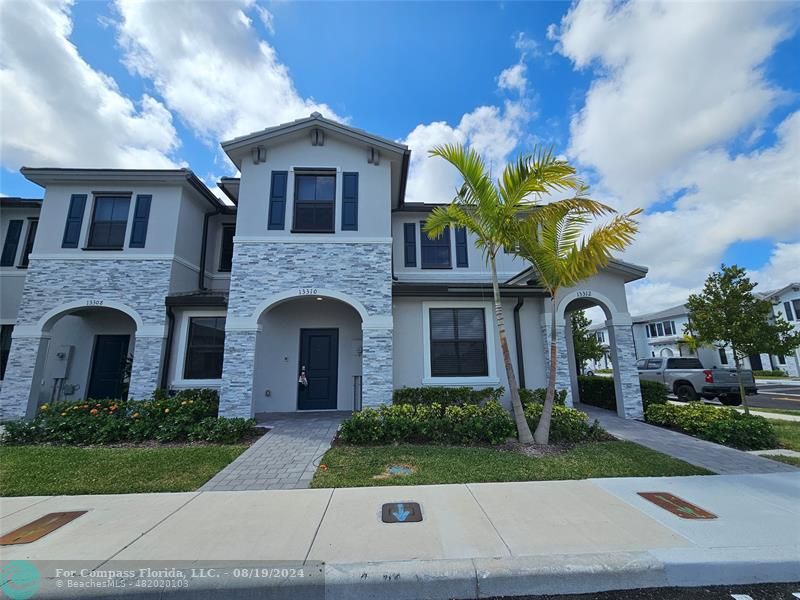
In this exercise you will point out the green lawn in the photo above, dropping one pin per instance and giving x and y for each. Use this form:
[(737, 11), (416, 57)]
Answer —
[(782, 411), (788, 433), (352, 466), (789, 460), (35, 471)]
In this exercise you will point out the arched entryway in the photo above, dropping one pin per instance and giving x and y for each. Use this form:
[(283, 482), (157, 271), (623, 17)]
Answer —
[(621, 349), (85, 352), (307, 356)]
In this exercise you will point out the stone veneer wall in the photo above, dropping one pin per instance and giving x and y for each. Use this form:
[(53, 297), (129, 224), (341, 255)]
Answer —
[(262, 269), (50, 283), (626, 375)]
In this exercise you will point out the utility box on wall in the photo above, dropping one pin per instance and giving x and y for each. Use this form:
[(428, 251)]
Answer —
[(62, 356)]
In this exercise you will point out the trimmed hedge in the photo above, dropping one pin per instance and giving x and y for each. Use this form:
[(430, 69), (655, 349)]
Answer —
[(567, 425), (537, 395), (599, 391), (446, 396), (435, 422), (721, 425), (189, 415), (770, 373)]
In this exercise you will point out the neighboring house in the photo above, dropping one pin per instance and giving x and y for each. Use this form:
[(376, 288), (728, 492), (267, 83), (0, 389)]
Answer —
[(313, 288), (661, 334)]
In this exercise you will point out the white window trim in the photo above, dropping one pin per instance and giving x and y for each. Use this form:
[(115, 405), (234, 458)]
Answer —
[(491, 358), (178, 379)]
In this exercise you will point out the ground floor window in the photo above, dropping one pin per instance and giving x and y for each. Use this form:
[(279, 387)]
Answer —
[(458, 342), (204, 349), (5, 347)]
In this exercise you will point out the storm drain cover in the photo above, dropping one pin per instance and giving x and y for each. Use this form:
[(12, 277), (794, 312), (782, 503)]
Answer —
[(677, 506), (401, 512), (39, 528)]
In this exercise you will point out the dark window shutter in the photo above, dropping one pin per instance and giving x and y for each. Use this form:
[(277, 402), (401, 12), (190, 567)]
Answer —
[(461, 247), (226, 252), (349, 201), (11, 244), (410, 244), (30, 238), (277, 200), (141, 215), (72, 230)]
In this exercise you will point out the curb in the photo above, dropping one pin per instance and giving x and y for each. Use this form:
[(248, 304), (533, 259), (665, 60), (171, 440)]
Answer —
[(470, 579)]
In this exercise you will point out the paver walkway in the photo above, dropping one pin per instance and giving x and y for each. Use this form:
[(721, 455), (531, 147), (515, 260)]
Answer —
[(714, 457), (285, 458)]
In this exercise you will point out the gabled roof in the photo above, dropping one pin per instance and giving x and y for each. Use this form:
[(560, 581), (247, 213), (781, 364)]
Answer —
[(795, 286), (630, 271), (184, 177), (314, 120)]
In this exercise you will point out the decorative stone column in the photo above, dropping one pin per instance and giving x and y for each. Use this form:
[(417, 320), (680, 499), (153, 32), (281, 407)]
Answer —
[(626, 376), (16, 395), (147, 361), (563, 381), (236, 394), (376, 366), (574, 391)]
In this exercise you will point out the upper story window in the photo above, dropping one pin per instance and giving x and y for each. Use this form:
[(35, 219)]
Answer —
[(435, 252), (30, 237), (661, 329), (11, 243), (109, 222), (314, 202), (226, 251)]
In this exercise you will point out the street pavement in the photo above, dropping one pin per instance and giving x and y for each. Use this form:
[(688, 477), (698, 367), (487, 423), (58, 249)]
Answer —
[(776, 396), (475, 540)]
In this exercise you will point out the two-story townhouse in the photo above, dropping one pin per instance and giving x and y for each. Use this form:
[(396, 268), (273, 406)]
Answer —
[(785, 303), (315, 288)]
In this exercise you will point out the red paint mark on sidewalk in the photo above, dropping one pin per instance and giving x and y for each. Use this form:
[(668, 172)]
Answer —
[(677, 506)]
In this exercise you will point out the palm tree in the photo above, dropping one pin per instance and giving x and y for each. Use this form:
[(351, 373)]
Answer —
[(552, 239), (492, 212)]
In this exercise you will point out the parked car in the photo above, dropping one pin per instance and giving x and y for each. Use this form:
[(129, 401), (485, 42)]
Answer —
[(688, 380)]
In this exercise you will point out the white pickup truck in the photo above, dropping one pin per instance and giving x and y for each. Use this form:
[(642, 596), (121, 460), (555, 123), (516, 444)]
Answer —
[(688, 380)]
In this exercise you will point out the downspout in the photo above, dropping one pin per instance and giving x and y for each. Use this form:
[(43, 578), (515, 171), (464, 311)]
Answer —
[(518, 342), (201, 283), (167, 347)]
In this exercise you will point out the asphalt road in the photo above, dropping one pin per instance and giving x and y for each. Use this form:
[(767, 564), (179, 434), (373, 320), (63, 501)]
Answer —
[(776, 396), (760, 591)]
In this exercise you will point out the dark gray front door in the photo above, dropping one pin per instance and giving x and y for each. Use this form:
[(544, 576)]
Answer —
[(108, 366), (319, 354)]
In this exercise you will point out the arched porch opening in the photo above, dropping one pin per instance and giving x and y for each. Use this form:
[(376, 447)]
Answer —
[(84, 352), (621, 351), (307, 357)]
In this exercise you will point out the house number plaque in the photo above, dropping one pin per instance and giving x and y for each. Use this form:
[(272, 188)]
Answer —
[(306, 291)]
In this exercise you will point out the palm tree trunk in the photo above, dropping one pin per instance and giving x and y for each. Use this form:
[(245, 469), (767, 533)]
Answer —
[(523, 431), (542, 433), (739, 380)]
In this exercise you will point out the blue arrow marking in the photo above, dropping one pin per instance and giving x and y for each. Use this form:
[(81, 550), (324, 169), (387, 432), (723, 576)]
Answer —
[(401, 514)]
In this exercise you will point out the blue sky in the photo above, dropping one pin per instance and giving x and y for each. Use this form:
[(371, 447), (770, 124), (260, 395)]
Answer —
[(690, 111)]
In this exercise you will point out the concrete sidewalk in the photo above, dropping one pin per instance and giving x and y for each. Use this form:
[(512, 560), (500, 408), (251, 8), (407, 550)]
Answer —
[(475, 541)]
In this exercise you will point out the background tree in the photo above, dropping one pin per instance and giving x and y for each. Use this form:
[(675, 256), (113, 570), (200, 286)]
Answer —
[(553, 240), (727, 314), (491, 211), (587, 346)]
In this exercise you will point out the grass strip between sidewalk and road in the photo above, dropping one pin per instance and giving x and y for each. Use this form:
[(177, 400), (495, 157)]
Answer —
[(789, 460), (56, 470), (356, 466), (788, 433)]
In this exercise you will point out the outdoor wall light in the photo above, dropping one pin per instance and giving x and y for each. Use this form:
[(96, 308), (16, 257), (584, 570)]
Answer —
[(319, 298)]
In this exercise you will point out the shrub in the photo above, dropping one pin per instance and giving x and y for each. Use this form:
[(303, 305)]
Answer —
[(721, 425), (537, 395), (222, 430), (162, 418), (435, 422), (446, 396), (770, 373), (567, 425), (600, 392), (597, 391)]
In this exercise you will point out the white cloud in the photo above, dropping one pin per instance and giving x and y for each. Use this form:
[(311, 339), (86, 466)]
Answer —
[(676, 83), (513, 78), (782, 268), (267, 19), (59, 111), (210, 65), (675, 78)]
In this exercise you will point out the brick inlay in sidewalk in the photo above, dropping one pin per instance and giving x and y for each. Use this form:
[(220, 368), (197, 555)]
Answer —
[(285, 458), (714, 457)]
